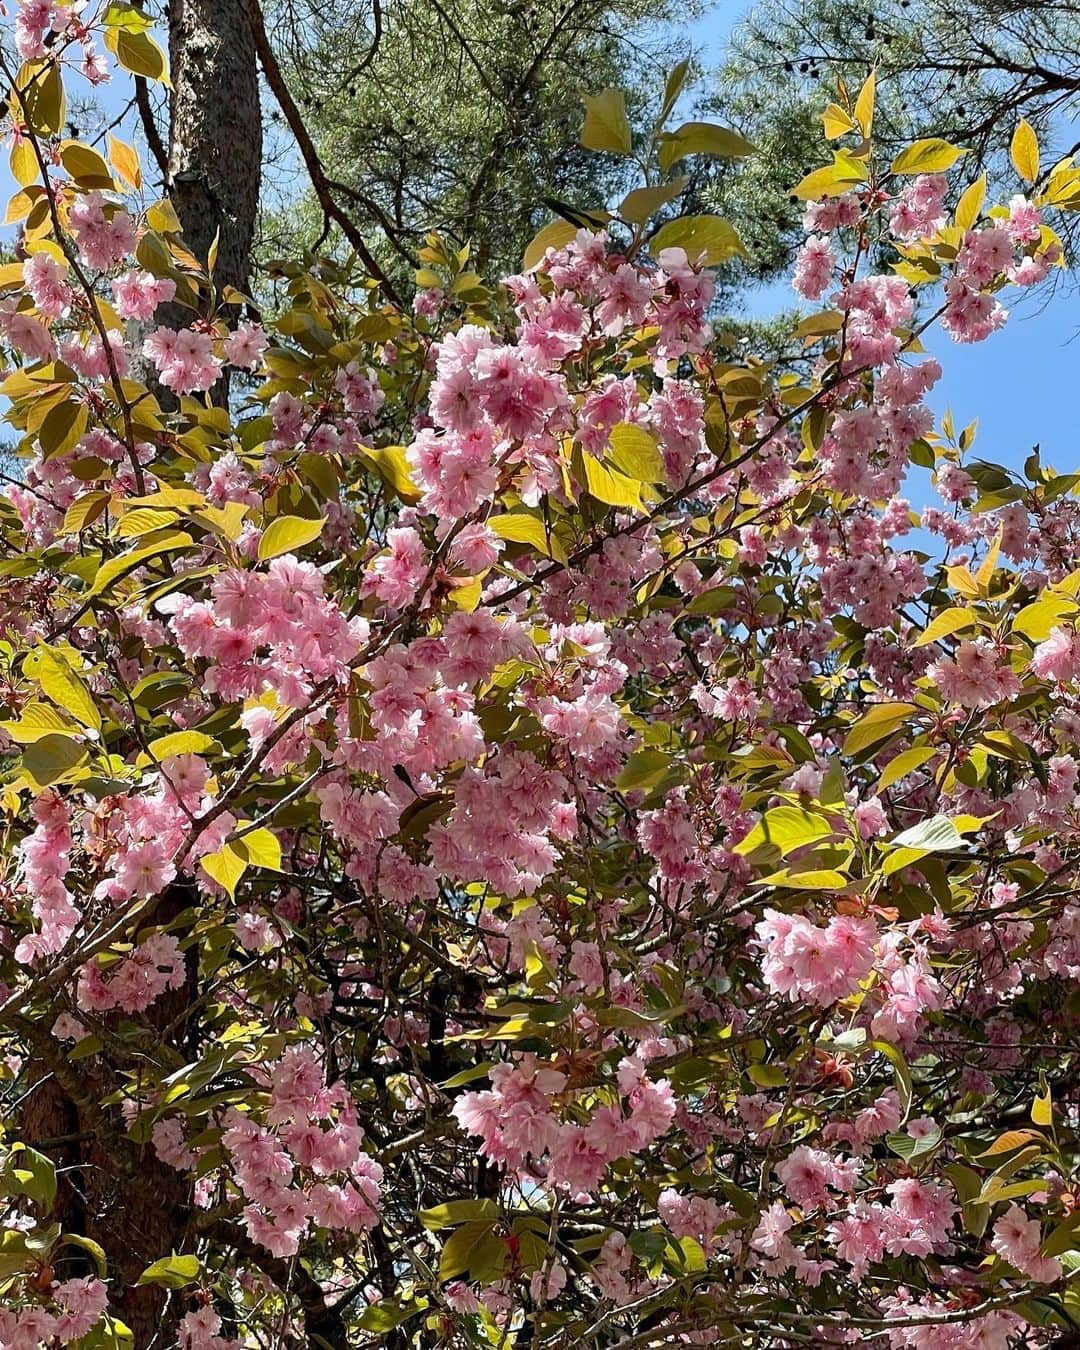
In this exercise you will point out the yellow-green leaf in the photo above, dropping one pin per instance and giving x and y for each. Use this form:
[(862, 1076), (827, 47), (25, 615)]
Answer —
[(86, 166), (58, 679), (163, 218), (1036, 620), (931, 155), (466, 595), (115, 568), (143, 520), (42, 97), (876, 723), (785, 828), (611, 487), (138, 53), (942, 625), (51, 757), (823, 879), (174, 1272), (393, 468), (709, 238), (35, 721), (635, 452), (702, 138), (24, 165), (288, 533), (606, 125), (177, 743), (907, 761), (84, 511), (520, 527), (639, 204), (455, 1212), (555, 235)]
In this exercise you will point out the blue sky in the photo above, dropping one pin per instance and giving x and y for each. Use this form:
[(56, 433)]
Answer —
[(1019, 383)]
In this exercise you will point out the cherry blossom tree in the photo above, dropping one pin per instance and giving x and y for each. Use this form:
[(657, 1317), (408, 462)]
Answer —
[(514, 831)]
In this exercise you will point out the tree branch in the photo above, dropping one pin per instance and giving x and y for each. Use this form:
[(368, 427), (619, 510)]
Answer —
[(319, 182)]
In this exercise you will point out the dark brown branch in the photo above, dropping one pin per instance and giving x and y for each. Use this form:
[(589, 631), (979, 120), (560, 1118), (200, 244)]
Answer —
[(150, 129), (313, 164)]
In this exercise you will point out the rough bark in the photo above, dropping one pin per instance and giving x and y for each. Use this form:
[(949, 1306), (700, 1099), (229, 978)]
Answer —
[(215, 132), (110, 1188)]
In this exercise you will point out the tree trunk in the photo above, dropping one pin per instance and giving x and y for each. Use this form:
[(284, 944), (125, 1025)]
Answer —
[(215, 132), (110, 1188)]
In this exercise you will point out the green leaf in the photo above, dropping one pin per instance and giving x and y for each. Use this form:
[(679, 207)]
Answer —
[(52, 669), (606, 125), (639, 204), (644, 769), (931, 155), (557, 234), (458, 1211), (109, 1334), (904, 1146), (702, 138), (138, 53), (286, 534), (907, 761), (460, 1248), (28, 1172), (1065, 1237), (109, 573), (713, 601), (785, 828), (388, 1313), (710, 239), (901, 1072), (174, 1272), (50, 757)]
